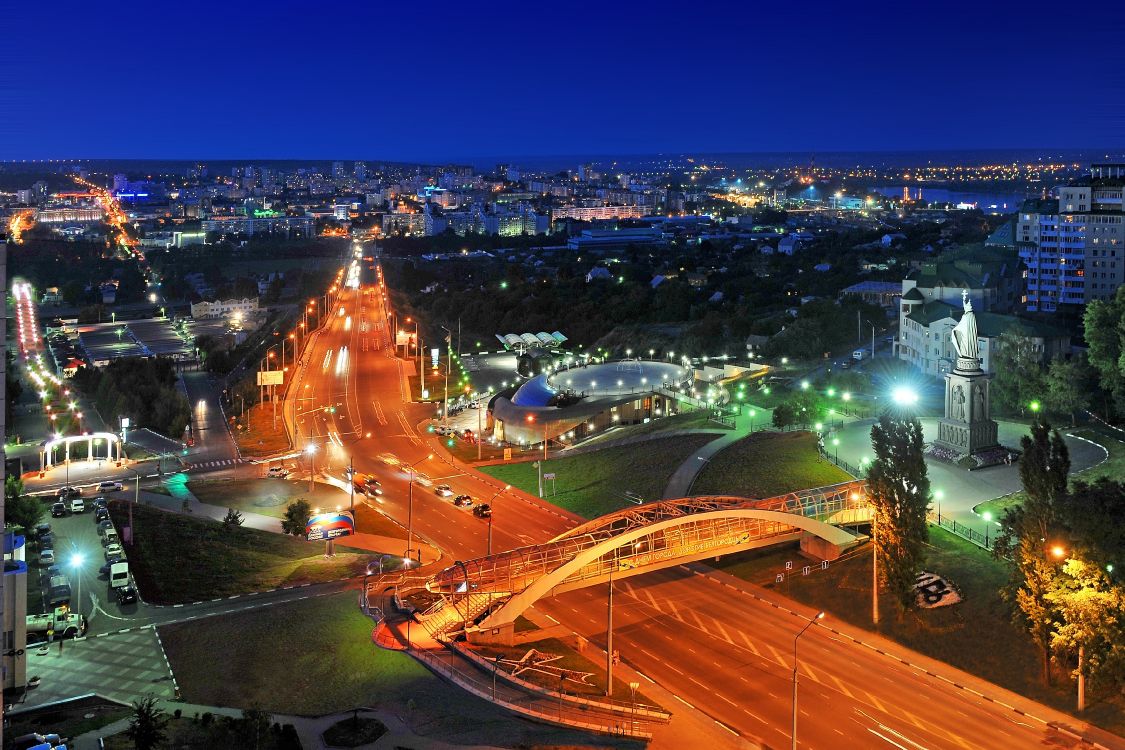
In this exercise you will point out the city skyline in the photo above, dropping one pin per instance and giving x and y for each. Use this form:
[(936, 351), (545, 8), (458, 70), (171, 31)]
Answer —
[(469, 85)]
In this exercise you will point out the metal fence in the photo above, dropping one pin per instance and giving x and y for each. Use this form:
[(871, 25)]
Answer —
[(984, 540), (834, 457)]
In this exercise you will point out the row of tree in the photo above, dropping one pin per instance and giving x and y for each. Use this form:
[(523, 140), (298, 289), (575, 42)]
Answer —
[(1062, 542), (142, 389)]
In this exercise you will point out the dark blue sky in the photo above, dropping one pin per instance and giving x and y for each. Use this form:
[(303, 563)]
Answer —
[(415, 81)]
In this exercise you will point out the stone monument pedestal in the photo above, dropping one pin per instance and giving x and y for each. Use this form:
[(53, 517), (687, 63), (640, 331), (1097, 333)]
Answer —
[(966, 428)]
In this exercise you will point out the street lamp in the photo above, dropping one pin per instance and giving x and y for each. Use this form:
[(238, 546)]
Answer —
[(76, 561), (836, 447), (809, 624), (410, 507), (904, 396), (311, 451), (491, 512)]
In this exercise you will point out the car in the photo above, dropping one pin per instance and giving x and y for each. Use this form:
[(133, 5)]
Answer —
[(484, 510), (42, 529), (277, 472), (113, 548), (68, 492), (58, 510), (104, 570), (46, 541), (110, 487), (101, 514), (100, 502), (463, 501), (846, 364), (76, 505), (372, 481), (53, 570), (125, 594), (443, 490), (46, 557), (859, 354)]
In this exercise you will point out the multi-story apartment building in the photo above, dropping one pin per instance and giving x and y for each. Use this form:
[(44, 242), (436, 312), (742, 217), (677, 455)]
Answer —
[(1074, 245)]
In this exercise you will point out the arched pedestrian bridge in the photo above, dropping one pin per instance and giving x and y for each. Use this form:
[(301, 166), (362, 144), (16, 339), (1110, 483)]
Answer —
[(633, 541)]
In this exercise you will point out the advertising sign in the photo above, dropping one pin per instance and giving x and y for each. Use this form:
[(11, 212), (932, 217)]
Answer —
[(435, 356), (324, 526), (402, 338), (271, 377)]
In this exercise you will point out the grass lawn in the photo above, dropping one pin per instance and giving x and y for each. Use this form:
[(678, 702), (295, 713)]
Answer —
[(313, 657), (592, 484), (66, 719), (259, 437), (1113, 468), (593, 661), (767, 464), (178, 558), (270, 497), (976, 635), (690, 420)]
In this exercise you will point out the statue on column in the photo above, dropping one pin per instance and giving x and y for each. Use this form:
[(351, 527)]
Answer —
[(965, 332)]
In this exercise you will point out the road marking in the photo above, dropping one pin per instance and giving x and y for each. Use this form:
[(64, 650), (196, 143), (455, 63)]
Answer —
[(843, 688), (681, 700), (777, 656)]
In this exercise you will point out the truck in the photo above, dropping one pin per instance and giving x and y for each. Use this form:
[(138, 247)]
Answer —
[(58, 591), (62, 623), (118, 575)]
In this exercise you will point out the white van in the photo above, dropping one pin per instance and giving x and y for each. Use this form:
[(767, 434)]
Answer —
[(859, 354), (110, 487), (76, 505), (118, 575)]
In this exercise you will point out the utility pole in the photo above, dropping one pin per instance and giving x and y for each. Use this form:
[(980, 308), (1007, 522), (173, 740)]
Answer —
[(609, 637), (874, 572)]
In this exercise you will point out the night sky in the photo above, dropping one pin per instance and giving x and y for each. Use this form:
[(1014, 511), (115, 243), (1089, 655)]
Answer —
[(414, 81)]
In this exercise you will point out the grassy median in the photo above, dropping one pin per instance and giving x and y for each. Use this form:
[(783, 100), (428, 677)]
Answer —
[(178, 558), (767, 464), (315, 657), (593, 484)]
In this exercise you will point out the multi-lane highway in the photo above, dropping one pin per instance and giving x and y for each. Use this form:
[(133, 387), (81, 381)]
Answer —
[(724, 653)]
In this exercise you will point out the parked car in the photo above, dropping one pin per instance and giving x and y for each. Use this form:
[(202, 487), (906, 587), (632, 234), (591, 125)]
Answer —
[(463, 501), (277, 472), (68, 492), (125, 594), (101, 514), (76, 505), (110, 487), (443, 490), (100, 502), (113, 548), (859, 354), (46, 557), (42, 530), (109, 561), (484, 510), (58, 510)]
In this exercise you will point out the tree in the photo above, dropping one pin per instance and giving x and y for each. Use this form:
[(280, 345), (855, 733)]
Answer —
[(1067, 387), (1019, 374), (233, 519), (1090, 623), (784, 415), (899, 489), (22, 511), (1104, 327), (1092, 513), (297, 514), (148, 725), (1028, 532)]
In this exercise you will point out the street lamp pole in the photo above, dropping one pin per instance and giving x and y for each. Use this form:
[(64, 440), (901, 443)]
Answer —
[(808, 625), (874, 569), (410, 508), (609, 636)]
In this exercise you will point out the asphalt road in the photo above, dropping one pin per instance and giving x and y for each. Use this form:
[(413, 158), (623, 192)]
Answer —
[(726, 655)]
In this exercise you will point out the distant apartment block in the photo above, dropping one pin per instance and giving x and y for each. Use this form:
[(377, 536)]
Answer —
[(1073, 245), (289, 226), (224, 308), (615, 239), (593, 213), (69, 215)]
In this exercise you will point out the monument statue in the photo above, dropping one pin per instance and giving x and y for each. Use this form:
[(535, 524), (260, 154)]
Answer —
[(965, 332), (967, 428)]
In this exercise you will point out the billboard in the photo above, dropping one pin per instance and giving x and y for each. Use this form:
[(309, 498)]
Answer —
[(404, 339), (325, 526), (271, 377)]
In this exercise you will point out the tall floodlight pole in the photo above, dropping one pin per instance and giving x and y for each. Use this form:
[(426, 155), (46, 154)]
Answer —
[(808, 625)]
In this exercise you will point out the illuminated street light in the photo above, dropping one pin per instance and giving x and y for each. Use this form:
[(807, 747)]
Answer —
[(1058, 552), (904, 396)]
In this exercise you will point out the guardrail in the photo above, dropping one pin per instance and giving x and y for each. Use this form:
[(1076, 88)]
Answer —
[(968, 533), (533, 707)]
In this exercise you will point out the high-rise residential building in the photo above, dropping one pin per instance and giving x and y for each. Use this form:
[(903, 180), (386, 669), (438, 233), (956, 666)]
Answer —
[(360, 171), (120, 183), (338, 172), (13, 581), (1074, 245)]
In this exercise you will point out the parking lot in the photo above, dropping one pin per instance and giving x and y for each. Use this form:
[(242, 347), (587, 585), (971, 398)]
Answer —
[(79, 555)]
